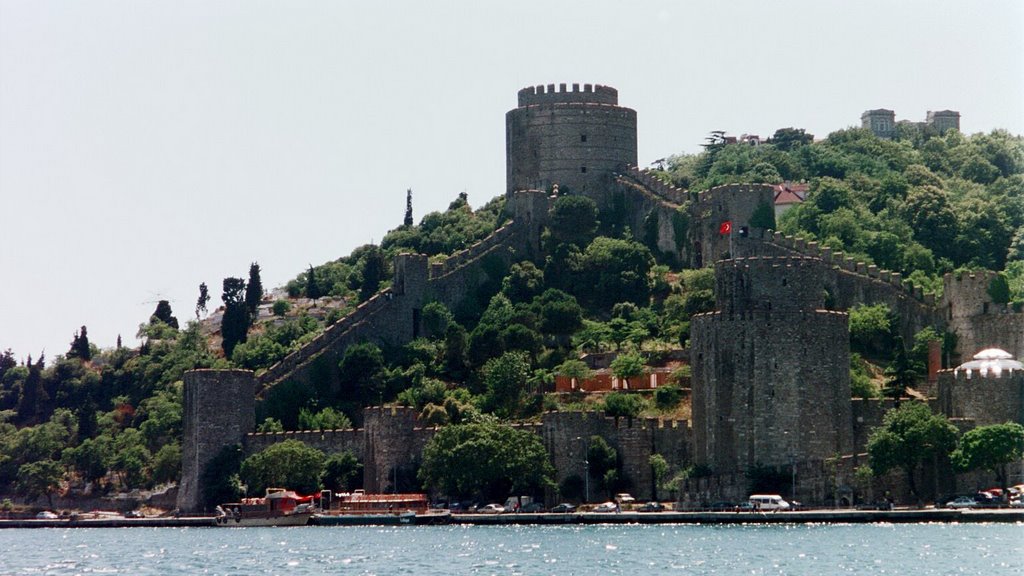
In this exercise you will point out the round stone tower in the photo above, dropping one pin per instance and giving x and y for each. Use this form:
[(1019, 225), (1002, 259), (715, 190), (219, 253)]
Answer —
[(218, 410), (574, 138), (771, 368)]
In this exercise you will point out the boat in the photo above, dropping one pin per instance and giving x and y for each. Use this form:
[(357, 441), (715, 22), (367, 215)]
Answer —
[(361, 509), (279, 507)]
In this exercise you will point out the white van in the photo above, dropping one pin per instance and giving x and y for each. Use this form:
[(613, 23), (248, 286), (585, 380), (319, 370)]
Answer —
[(768, 502)]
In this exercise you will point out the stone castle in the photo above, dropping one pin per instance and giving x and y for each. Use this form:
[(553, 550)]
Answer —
[(770, 365)]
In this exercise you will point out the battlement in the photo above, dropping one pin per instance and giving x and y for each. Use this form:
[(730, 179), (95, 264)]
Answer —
[(654, 185), (822, 317), (712, 194), (842, 262), (589, 94)]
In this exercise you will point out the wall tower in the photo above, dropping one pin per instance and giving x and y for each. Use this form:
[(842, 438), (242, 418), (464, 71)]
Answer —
[(219, 409), (771, 376), (575, 138)]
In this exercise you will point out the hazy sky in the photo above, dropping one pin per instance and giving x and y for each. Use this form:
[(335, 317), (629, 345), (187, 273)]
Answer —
[(148, 146)]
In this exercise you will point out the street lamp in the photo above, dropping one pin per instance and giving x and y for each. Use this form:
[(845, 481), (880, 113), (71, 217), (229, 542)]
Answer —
[(586, 470)]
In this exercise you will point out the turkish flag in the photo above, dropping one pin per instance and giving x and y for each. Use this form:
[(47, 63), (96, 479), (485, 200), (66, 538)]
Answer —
[(725, 228)]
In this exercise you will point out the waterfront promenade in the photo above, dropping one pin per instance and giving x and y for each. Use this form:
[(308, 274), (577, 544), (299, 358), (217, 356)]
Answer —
[(902, 516)]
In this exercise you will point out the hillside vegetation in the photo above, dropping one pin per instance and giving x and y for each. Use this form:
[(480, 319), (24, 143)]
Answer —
[(922, 204)]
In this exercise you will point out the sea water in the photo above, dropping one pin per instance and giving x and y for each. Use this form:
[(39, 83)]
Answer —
[(814, 550)]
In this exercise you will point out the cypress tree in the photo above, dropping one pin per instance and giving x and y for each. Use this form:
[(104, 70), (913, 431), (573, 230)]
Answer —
[(253, 290), (234, 325), (204, 297), (312, 287), (408, 207)]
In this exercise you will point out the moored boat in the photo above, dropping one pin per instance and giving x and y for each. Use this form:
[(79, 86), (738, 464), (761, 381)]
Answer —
[(361, 509), (279, 507)]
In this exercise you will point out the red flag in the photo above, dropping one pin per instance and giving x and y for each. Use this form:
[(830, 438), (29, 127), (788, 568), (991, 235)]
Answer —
[(725, 228)]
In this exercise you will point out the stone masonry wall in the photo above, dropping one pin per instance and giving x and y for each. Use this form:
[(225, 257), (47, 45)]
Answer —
[(770, 370), (218, 411), (985, 400), (573, 138)]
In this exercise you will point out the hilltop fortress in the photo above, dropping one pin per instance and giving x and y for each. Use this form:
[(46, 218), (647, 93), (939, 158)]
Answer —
[(771, 384)]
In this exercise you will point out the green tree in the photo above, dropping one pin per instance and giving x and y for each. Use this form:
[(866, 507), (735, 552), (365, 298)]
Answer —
[(909, 437), (342, 472), (992, 448), (628, 365), (41, 478), (313, 289), (253, 291), (790, 138), (602, 462), (436, 319), (615, 271), (167, 463), (204, 298), (573, 220), (289, 464), (408, 220), (373, 269), (998, 290), (326, 419), (80, 346), (163, 313), (524, 282), (903, 372), (620, 404), (505, 380), (485, 459), (219, 479), (871, 329), (234, 325), (659, 471), (362, 375)]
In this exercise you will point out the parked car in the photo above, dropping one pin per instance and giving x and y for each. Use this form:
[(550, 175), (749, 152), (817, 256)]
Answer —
[(624, 498), (563, 508), (607, 507), (1018, 503), (492, 509), (651, 507), (46, 515), (722, 507), (533, 508), (962, 502)]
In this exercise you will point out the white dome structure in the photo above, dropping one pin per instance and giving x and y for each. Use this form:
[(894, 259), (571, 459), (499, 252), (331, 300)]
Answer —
[(990, 362)]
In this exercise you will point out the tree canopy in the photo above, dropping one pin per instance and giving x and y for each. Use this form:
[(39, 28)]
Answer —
[(485, 459)]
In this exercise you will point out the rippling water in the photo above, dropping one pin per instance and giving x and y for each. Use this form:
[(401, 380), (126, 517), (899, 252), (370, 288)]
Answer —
[(818, 550)]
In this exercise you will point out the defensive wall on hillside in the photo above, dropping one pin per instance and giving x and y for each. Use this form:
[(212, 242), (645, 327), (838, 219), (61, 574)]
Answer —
[(771, 379), (850, 283), (391, 317), (219, 412), (977, 320)]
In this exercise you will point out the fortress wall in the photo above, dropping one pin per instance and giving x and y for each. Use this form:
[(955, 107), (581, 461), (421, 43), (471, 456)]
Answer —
[(566, 436), (767, 385), (735, 203), (327, 441), (999, 328), (850, 283), (575, 139), (867, 415), (985, 400), (976, 319), (641, 205), (218, 411)]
